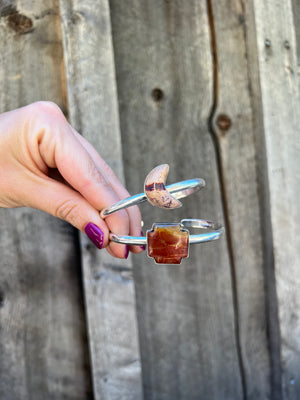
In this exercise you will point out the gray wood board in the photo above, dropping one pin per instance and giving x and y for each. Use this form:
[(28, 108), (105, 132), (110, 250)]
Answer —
[(279, 83), (296, 19), (185, 313), (234, 130), (108, 282), (43, 343)]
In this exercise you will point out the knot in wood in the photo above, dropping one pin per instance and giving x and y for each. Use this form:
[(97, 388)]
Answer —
[(223, 122), (157, 94), (20, 23)]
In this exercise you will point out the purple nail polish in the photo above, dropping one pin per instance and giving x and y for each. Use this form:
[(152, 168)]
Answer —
[(95, 234), (142, 247), (126, 251)]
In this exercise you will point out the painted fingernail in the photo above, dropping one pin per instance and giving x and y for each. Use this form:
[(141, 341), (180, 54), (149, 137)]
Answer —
[(95, 234), (142, 247), (126, 251)]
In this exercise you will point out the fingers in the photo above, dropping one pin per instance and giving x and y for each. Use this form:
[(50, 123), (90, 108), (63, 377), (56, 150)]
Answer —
[(96, 187), (63, 202), (80, 171), (133, 212)]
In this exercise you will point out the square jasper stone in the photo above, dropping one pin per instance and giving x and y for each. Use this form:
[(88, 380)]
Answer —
[(168, 243)]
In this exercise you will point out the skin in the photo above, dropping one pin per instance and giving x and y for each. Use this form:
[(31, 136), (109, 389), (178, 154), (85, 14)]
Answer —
[(45, 164)]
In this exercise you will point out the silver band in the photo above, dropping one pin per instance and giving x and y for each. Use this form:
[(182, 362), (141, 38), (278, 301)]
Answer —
[(216, 232), (178, 190)]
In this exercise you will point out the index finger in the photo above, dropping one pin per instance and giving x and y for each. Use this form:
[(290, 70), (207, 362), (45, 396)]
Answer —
[(60, 148), (135, 219)]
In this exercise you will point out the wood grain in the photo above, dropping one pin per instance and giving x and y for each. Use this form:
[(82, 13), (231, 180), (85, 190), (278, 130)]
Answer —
[(279, 84), (108, 283), (43, 346), (212, 89), (165, 86), (235, 137)]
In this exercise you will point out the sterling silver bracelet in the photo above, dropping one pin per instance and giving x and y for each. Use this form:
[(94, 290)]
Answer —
[(167, 243)]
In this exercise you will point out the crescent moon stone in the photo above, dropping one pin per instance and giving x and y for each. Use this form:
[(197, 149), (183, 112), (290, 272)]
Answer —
[(156, 191)]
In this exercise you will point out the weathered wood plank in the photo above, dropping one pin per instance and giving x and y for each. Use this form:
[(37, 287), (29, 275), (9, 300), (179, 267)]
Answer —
[(43, 347), (279, 85), (296, 19), (186, 313), (108, 283), (235, 136)]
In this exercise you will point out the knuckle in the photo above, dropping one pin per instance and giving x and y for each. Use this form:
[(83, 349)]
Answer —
[(68, 210), (46, 122), (46, 107), (94, 176), (108, 171)]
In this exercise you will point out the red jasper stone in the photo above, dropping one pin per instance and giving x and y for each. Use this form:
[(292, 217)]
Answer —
[(168, 243)]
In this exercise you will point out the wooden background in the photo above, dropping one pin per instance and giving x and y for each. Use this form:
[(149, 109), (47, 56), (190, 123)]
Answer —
[(212, 88)]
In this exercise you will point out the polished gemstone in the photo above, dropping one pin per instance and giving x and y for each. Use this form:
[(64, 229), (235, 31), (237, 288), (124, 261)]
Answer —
[(167, 243)]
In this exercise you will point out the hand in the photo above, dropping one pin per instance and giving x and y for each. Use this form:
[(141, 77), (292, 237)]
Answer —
[(46, 164)]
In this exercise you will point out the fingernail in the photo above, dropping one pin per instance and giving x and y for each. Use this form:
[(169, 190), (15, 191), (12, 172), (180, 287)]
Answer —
[(142, 247), (126, 251), (95, 234)]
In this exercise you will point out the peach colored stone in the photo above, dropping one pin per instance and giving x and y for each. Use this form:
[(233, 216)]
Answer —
[(156, 191)]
